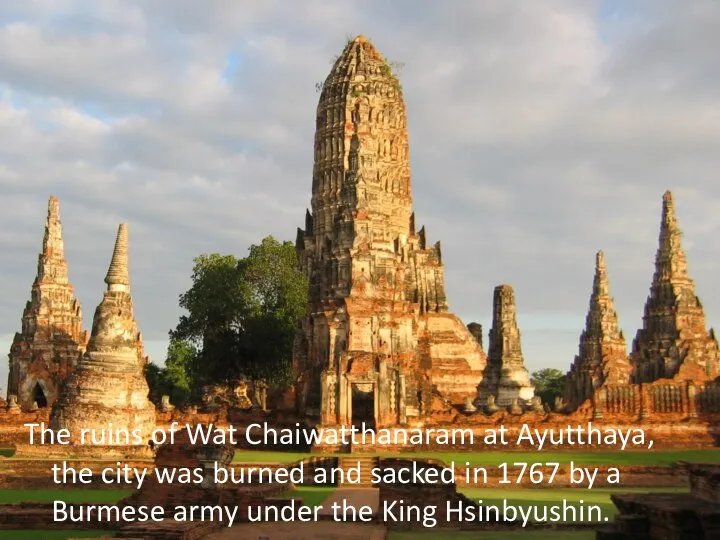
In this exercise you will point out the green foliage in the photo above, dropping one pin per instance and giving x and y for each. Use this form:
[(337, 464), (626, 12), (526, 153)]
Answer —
[(177, 378), (549, 384), (153, 374), (242, 315)]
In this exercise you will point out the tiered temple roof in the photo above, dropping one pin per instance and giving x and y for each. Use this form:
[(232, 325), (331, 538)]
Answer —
[(602, 356), (51, 340), (674, 341)]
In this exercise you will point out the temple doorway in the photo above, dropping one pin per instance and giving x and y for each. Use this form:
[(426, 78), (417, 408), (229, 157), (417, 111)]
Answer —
[(39, 396), (363, 405)]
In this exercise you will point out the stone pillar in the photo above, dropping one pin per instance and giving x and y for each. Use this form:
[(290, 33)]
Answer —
[(344, 401), (645, 401), (402, 399), (691, 400), (382, 394), (599, 403), (329, 401)]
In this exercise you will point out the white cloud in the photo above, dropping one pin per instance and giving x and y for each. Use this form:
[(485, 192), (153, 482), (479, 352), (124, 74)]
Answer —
[(539, 133)]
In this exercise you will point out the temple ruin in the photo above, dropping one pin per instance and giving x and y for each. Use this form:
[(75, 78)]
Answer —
[(674, 342), (602, 357), (670, 516), (505, 377), (46, 350), (109, 385), (378, 342)]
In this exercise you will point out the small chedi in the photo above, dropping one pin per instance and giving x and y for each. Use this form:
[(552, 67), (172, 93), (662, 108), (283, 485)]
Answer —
[(378, 343), (505, 377), (602, 356), (46, 350), (109, 385), (674, 342)]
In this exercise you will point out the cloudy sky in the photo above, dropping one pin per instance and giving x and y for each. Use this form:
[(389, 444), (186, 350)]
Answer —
[(540, 132)]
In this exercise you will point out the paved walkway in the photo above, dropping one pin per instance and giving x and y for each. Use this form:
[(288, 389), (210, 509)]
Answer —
[(356, 497), (323, 530)]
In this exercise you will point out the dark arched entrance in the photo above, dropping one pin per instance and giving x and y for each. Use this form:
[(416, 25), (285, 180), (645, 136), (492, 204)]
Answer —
[(363, 405), (39, 396)]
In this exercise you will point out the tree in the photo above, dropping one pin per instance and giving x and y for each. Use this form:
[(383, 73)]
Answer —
[(153, 374), (179, 373), (549, 384), (176, 379), (242, 314)]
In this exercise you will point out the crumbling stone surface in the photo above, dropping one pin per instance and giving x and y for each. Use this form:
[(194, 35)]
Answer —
[(674, 341), (602, 357), (671, 516), (378, 331), (46, 350), (505, 376), (109, 385)]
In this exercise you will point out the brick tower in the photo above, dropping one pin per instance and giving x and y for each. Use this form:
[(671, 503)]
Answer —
[(378, 342), (46, 350)]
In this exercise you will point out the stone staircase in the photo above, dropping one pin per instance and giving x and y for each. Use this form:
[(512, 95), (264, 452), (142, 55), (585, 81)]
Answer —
[(351, 463)]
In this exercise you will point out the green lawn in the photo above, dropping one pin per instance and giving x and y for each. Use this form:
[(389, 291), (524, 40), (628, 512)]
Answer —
[(7, 452), (311, 495), (492, 535), (545, 497), (10, 496), (52, 535), (654, 457)]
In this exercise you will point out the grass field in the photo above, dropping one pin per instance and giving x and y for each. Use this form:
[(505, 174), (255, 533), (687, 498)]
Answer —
[(614, 458), (311, 496), (545, 497)]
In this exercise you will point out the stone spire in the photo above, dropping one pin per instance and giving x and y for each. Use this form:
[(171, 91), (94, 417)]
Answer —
[(117, 277), (52, 265), (602, 356), (505, 376), (51, 339), (377, 287), (674, 341), (109, 384)]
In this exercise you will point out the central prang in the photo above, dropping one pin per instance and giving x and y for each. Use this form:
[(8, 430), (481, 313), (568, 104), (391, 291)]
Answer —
[(378, 344)]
